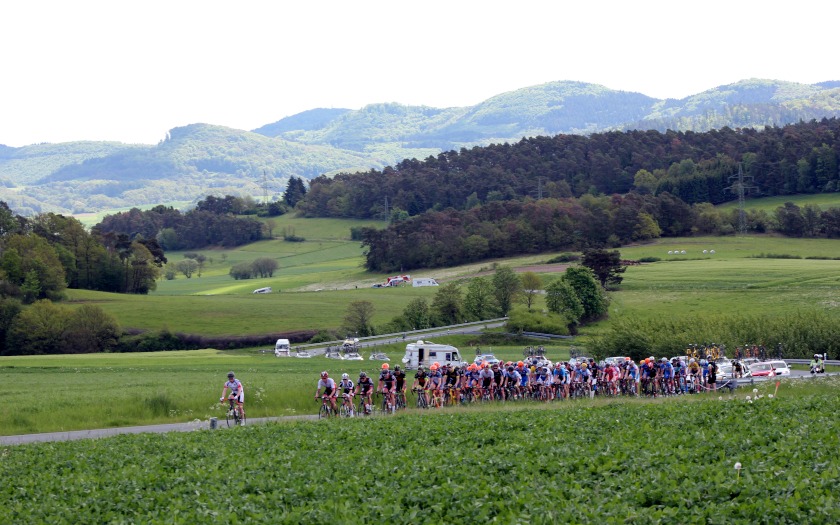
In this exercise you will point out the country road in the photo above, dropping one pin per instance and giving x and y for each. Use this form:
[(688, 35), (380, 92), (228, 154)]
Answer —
[(205, 425)]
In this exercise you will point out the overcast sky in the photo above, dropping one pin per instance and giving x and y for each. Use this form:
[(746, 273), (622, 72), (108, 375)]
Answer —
[(129, 71)]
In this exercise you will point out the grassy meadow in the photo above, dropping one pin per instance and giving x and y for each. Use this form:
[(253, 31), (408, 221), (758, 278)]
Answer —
[(316, 281)]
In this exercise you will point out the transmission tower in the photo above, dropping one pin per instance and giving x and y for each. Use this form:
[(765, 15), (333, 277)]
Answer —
[(741, 186), (265, 189)]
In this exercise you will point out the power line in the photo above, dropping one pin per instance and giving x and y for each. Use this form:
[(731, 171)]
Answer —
[(742, 185)]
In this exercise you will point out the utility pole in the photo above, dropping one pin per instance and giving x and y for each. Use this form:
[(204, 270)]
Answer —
[(741, 185)]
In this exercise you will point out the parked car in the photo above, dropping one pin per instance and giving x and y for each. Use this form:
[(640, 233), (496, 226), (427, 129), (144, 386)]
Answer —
[(303, 353), (486, 358), (782, 368), (749, 360), (614, 360), (725, 371), (764, 369)]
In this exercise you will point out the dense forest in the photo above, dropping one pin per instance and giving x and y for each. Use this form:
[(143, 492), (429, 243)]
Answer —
[(695, 167)]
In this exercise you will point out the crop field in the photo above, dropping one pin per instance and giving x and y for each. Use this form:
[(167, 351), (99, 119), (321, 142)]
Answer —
[(628, 461)]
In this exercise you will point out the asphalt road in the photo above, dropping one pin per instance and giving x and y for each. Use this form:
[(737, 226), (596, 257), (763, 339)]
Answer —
[(221, 425)]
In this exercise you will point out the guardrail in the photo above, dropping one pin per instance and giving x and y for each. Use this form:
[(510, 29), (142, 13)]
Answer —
[(385, 339)]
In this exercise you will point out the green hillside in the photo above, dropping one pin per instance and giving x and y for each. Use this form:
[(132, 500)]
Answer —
[(201, 159)]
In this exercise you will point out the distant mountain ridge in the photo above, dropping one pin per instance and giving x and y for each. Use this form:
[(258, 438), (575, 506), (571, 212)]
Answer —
[(203, 159)]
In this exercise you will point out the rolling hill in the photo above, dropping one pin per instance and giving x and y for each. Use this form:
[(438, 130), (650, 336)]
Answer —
[(202, 159)]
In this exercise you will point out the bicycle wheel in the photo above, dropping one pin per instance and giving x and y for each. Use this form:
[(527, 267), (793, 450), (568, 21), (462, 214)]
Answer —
[(324, 413), (231, 418), (421, 400)]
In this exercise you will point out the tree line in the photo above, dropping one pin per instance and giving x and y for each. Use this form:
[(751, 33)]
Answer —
[(502, 229), (693, 167)]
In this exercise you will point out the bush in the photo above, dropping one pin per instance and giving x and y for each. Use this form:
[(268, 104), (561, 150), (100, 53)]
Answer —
[(564, 258), (521, 320), (649, 259)]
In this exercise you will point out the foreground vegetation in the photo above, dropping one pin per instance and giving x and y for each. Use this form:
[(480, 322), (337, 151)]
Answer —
[(606, 462)]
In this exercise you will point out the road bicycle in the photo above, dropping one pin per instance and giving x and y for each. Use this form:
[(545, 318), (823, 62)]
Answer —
[(388, 407), (400, 399), (366, 409), (234, 417), (326, 409), (347, 409), (422, 400)]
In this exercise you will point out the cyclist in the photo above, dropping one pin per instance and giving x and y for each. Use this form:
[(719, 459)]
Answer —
[(328, 384), (399, 375), (346, 386), (497, 380), (524, 378), (694, 373), (451, 377), (679, 375), (364, 388), (486, 377), (387, 385), (421, 380), (713, 371), (436, 384), (237, 393), (611, 378), (631, 376)]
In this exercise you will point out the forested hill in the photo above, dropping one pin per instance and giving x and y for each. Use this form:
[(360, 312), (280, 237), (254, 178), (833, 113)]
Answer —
[(202, 159), (695, 167)]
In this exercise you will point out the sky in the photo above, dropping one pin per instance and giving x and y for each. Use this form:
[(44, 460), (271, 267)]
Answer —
[(129, 71)]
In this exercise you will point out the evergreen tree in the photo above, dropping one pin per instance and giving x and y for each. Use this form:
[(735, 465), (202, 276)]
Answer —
[(295, 191)]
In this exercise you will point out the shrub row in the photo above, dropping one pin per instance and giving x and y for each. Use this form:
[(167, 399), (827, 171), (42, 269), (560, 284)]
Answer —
[(165, 340), (801, 334)]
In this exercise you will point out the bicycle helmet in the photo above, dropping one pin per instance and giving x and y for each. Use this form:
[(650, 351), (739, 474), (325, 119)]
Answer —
[(691, 360), (510, 369), (230, 375), (324, 374), (345, 376), (397, 367), (664, 360), (362, 374), (520, 364), (385, 366)]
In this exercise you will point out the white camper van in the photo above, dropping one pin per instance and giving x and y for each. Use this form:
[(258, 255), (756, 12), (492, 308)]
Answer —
[(282, 348), (424, 353), (424, 281)]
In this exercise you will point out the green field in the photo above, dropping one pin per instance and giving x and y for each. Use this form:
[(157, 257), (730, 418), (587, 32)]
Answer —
[(314, 290), (66, 392), (769, 204), (627, 461)]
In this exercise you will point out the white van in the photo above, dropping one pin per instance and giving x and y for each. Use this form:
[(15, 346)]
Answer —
[(282, 348), (267, 289), (424, 353), (424, 281)]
